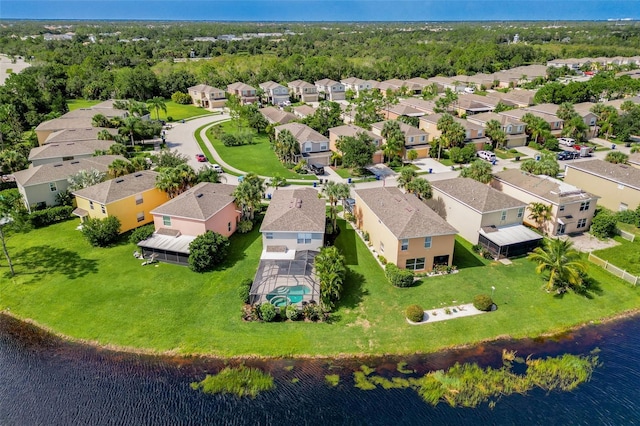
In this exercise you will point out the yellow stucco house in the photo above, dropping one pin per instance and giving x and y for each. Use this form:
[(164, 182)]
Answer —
[(130, 198), (403, 229)]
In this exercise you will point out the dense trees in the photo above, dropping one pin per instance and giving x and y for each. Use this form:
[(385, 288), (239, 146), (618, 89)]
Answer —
[(357, 151), (395, 140)]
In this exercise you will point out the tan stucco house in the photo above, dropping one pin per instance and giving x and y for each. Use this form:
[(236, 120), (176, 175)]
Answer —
[(617, 185), (351, 130), (572, 208), (414, 138), (403, 229), (207, 96), (314, 146)]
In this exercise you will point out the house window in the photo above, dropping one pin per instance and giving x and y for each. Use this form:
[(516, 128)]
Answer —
[(140, 217), (404, 246), (584, 205), (520, 212), (139, 199), (421, 138), (229, 226), (323, 147), (304, 238), (381, 247), (582, 223), (91, 205), (411, 139), (415, 264), (561, 208), (103, 209), (53, 187), (623, 207), (509, 128), (269, 235), (503, 216), (308, 147), (166, 220), (427, 242)]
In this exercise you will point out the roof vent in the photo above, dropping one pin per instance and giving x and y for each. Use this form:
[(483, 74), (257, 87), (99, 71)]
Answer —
[(57, 165), (119, 180), (199, 195), (137, 175), (70, 143), (75, 162)]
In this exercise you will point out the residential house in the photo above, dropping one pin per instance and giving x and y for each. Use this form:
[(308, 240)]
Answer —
[(554, 122), (617, 103), (445, 83), (516, 98), (205, 207), (274, 93), (351, 130), (207, 96), (617, 185), (572, 208), (395, 111), (403, 229), (514, 129), (332, 90), (582, 109), (292, 235), (484, 215), (130, 198), (417, 84), (474, 133), (303, 111), (77, 135), (478, 81), (277, 116), (303, 91), (427, 107), (414, 138), (314, 147), (40, 185), (470, 104), (356, 85), (245, 93), (57, 152)]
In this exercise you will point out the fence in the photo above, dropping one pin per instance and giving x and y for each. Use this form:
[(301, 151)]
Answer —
[(618, 272), (626, 235)]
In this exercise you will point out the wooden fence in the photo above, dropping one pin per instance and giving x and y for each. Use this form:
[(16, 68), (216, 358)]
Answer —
[(618, 272)]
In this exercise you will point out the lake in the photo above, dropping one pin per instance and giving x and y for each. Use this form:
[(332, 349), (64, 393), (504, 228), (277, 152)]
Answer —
[(44, 380)]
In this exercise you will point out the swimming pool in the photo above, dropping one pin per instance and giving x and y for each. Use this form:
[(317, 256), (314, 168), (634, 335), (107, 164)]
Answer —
[(283, 295)]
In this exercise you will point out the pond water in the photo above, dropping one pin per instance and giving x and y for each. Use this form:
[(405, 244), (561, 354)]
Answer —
[(46, 381)]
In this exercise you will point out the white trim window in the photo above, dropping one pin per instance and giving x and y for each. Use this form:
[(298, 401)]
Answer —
[(520, 212), (582, 223), (166, 220), (404, 244), (427, 242), (268, 235), (53, 187), (304, 238), (140, 217), (416, 264)]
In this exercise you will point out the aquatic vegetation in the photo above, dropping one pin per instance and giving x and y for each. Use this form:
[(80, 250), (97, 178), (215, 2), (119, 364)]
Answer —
[(240, 381), (469, 385), (288, 368), (332, 379), (295, 380), (402, 368)]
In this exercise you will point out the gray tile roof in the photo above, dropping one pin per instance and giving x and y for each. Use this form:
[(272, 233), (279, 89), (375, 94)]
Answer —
[(404, 214), (404, 127), (302, 132), (619, 173), (53, 172), (351, 130), (68, 149), (276, 115), (73, 135), (119, 188), (200, 202), (553, 190), (296, 210), (480, 197)]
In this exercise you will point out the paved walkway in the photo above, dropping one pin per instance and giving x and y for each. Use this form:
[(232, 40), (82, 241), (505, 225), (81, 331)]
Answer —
[(440, 314)]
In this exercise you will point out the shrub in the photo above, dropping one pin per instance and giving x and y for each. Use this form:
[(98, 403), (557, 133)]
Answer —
[(482, 302), (616, 157), (101, 232), (267, 312), (398, 277), (414, 313), (349, 217), (207, 250), (40, 218), (551, 144), (229, 140), (628, 216), (603, 225), (181, 98), (245, 226), (169, 118), (141, 233), (382, 259), (292, 312), (245, 289)]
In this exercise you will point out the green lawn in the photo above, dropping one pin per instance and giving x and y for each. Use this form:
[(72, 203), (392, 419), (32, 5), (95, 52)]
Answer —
[(106, 296), (258, 158), (174, 110), (626, 255), (80, 103), (507, 155)]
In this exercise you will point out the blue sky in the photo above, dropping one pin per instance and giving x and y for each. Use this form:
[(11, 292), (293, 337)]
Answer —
[(318, 10)]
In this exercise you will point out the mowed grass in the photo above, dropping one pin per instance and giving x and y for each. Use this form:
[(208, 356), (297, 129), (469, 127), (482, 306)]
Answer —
[(626, 255), (74, 104), (106, 296), (258, 157), (175, 111)]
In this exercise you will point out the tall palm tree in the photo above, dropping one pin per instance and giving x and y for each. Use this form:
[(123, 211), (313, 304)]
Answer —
[(562, 262), (119, 168), (248, 195), (130, 127), (420, 187), (407, 174), (158, 104), (494, 132), (539, 213), (395, 139), (336, 192), (330, 269)]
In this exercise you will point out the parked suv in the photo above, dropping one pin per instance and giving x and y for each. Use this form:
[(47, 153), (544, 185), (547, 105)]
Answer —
[(566, 141), (487, 155), (316, 168)]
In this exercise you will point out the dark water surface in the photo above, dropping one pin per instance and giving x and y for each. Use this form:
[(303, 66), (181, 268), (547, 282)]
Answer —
[(44, 381)]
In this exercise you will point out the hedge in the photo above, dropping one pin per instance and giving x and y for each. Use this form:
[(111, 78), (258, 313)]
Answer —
[(398, 277), (41, 218)]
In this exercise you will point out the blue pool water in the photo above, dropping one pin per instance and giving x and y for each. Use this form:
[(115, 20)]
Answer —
[(281, 296)]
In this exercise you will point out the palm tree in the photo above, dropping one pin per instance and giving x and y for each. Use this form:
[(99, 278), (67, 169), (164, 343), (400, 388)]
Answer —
[(336, 192), (420, 187), (104, 135), (566, 111), (479, 170), (539, 213), (407, 174), (140, 163), (248, 195), (495, 133), (562, 262), (12, 161), (330, 269), (165, 181), (453, 134), (158, 104), (100, 120), (286, 146), (536, 126), (130, 127), (119, 168), (395, 139)]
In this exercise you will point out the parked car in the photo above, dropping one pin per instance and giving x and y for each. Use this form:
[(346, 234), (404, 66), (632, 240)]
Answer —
[(217, 168), (201, 158), (487, 155), (566, 141), (316, 168), (568, 155)]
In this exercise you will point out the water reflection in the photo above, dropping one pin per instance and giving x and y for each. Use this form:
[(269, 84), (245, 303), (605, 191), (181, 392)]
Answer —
[(48, 381)]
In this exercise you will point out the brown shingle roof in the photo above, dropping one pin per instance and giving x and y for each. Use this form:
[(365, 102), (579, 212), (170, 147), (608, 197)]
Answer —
[(404, 214), (276, 115), (480, 197), (200, 202), (553, 190), (351, 130), (119, 188), (53, 172), (69, 149), (619, 173), (72, 135), (302, 132), (297, 210)]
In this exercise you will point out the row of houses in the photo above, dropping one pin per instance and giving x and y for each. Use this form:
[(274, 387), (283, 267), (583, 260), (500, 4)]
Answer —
[(600, 62)]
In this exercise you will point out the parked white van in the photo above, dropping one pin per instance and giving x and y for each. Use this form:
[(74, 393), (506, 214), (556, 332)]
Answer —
[(567, 141), (487, 155)]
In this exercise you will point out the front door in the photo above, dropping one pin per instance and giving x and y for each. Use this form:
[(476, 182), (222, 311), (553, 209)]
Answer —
[(561, 228)]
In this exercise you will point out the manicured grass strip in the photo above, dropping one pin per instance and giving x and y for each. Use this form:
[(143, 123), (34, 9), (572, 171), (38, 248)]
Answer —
[(625, 256), (205, 148), (258, 157), (106, 296)]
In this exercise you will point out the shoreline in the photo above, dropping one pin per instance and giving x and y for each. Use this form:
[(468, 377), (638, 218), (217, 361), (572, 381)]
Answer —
[(629, 314)]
